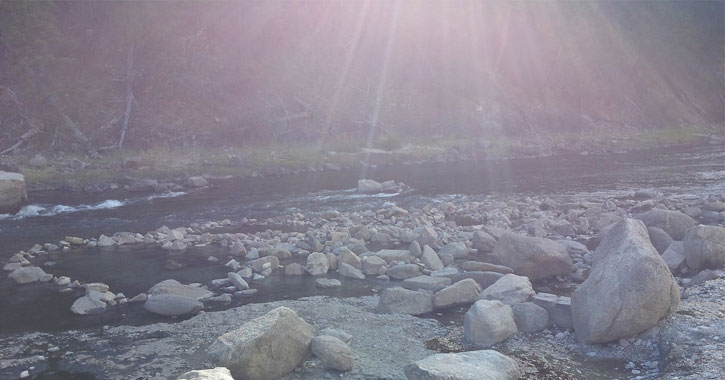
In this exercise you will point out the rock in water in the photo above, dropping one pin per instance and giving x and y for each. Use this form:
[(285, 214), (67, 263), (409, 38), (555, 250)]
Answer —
[(265, 348), (674, 256), (218, 373), (172, 305), (12, 192), (197, 182), (333, 352), (237, 281), (176, 288), (368, 186), (347, 270), (86, 305), (317, 264), (704, 247), (105, 241), (478, 365), (327, 283), (629, 289), (674, 223), (535, 258), (488, 322), (27, 275)]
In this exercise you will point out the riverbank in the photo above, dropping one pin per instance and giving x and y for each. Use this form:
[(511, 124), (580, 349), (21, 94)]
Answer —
[(462, 232), (171, 168)]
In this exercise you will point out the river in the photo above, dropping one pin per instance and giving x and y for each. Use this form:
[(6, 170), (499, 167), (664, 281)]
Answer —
[(52, 216)]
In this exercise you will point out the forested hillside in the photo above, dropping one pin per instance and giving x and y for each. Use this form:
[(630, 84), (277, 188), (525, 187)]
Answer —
[(225, 73)]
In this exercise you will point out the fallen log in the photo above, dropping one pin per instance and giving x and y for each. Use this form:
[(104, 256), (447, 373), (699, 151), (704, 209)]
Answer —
[(24, 138)]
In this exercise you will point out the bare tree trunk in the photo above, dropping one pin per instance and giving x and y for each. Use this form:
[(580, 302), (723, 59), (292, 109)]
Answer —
[(79, 136), (129, 96)]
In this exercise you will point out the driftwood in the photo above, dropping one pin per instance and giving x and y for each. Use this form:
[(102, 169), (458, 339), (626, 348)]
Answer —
[(79, 136), (24, 138)]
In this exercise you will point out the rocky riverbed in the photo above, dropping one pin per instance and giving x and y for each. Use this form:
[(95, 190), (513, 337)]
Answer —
[(519, 258)]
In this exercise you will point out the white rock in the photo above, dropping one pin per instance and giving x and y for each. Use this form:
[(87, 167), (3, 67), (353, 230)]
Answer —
[(488, 322)]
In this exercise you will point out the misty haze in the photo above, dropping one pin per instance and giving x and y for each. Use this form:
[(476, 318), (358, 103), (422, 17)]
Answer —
[(362, 189)]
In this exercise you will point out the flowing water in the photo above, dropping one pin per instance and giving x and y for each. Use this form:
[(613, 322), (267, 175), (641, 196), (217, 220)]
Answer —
[(52, 216)]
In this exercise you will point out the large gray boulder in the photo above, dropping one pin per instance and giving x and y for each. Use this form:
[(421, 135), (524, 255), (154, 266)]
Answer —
[(171, 305), (471, 365), (488, 322), (674, 223), (28, 275), (398, 300), (317, 264), (218, 373), (265, 348), (535, 258), (176, 288), (629, 288), (333, 352), (704, 247), (374, 265), (462, 292), (12, 192), (509, 289)]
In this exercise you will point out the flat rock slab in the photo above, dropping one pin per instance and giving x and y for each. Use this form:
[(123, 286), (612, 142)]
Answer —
[(172, 305), (176, 288), (485, 364), (426, 282)]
